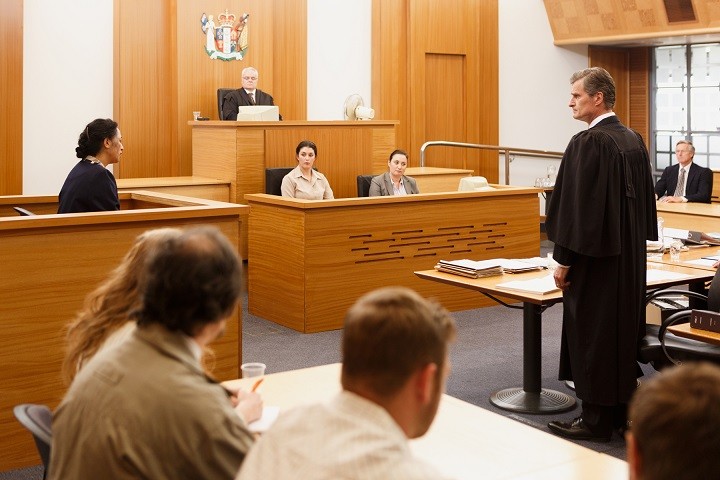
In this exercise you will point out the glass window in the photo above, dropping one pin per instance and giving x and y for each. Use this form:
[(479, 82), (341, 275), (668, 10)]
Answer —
[(686, 95)]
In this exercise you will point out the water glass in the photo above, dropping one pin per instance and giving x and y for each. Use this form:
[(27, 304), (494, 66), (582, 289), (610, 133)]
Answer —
[(675, 247)]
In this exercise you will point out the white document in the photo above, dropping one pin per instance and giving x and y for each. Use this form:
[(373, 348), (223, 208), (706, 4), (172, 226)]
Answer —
[(656, 275), (269, 415), (540, 285), (676, 233)]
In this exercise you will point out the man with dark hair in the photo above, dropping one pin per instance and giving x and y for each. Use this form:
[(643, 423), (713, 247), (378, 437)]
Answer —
[(145, 408), (675, 425), (600, 215), (394, 369)]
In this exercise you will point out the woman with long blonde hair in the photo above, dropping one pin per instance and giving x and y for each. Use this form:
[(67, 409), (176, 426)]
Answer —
[(106, 319)]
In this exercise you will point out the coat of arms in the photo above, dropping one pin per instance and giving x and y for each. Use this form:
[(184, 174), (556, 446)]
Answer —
[(226, 39)]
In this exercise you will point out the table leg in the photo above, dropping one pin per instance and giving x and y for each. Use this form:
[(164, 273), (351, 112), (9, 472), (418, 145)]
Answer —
[(531, 398)]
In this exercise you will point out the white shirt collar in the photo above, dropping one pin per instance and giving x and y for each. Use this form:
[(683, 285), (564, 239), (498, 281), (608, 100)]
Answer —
[(601, 118), (195, 348)]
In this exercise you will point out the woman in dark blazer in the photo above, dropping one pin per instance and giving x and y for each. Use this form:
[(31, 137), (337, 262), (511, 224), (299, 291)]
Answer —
[(394, 181)]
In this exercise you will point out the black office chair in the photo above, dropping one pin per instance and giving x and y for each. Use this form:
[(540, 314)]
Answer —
[(37, 419), (363, 185), (221, 92), (661, 348), (23, 212), (273, 179)]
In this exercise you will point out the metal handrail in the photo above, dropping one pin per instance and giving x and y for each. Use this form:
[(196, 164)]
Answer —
[(507, 151)]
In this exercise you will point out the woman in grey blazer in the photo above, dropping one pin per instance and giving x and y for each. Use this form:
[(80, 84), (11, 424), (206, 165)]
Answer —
[(394, 181)]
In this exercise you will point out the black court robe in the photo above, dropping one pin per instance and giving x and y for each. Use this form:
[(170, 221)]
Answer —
[(600, 215)]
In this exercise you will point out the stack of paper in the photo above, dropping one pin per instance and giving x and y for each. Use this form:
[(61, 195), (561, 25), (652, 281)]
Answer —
[(524, 265), (470, 268)]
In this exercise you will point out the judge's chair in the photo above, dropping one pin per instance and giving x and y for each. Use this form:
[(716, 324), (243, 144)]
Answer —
[(37, 419), (274, 178), (221, 92), (363, 185), (660, 348)]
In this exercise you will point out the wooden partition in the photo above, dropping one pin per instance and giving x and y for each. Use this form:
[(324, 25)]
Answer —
[(716, 187), (199, 187), (49, 264), (328, 253), (11, 94)]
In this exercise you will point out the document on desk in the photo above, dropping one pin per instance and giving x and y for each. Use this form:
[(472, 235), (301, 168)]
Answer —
[(657, 275), (269, 415), (540, 285), (701, 262)]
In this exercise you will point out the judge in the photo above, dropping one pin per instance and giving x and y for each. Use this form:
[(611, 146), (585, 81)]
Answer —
[(248, 95), (601, 213)]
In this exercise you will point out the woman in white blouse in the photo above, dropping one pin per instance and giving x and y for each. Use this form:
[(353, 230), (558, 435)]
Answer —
[(303, 181)]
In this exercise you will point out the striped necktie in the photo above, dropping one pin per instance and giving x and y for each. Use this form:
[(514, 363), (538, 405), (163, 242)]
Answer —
[(252, 98), (680, 189)]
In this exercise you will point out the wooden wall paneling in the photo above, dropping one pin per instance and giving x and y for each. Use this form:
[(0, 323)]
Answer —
[(290, 58), (640, 91), (144, 90), (390, 70), (11, 94), (459, 27), (445, 94), (617, 62)]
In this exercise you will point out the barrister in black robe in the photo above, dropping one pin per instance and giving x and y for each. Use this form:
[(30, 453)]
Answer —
[(600, 215)]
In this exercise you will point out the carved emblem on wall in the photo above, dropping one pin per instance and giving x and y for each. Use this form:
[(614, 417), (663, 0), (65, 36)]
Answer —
[(226, 38)]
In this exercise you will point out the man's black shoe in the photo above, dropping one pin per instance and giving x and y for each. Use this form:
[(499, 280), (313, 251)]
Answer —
[(576, 430)]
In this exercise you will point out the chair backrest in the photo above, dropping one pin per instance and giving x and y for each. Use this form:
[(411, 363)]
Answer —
[(273, 179), (37, 419), (221, 92), (363, 185), (23, 212)]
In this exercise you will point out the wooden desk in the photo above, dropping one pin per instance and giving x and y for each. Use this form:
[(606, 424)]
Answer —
[(688, 257), (464, 441), (531, 398), (684, 330), (328, 253), (434, 179), (199, 187), (49, 264), (703, 217)]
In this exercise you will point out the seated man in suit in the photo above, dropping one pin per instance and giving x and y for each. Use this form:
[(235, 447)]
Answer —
[(675, 424), (249, 94), (395, 362), (145, 408), (696, 181)]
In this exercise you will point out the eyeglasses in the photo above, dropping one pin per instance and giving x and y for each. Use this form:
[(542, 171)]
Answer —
[(250, 78)]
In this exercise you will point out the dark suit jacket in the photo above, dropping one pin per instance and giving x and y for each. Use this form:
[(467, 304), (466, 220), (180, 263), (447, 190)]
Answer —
[(240, 98), (698, 187), (381, 185)]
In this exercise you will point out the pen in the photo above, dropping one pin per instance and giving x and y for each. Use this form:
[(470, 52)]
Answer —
[(257, 384)]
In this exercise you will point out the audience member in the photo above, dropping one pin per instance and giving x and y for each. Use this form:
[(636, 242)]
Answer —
[(146, 409), (248, 95), (395, 363), (106, 318), (685, 181), (304, 181), (675, 425), (90, 186), (600, 215), (394, 181)]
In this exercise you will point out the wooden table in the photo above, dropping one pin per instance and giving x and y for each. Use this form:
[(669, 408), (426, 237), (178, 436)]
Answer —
[(531, 398), (688, 257), (464, 441), (685, 330)]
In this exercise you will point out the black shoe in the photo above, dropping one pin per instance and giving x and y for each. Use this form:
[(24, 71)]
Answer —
[(576, 430)]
